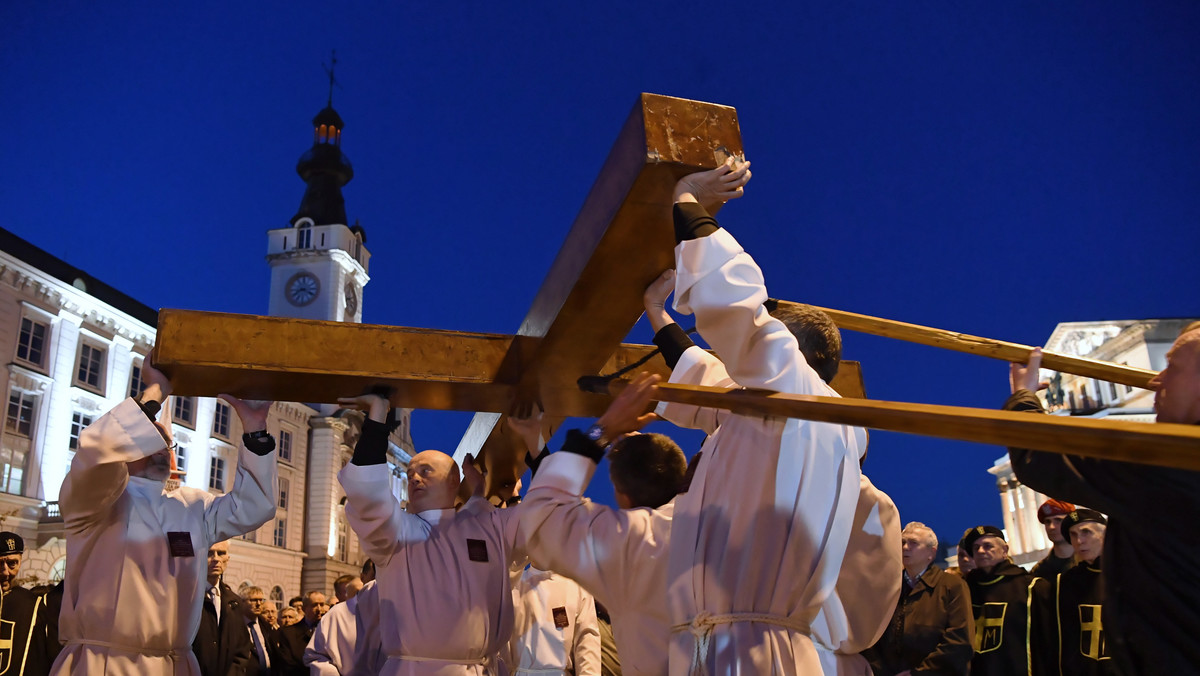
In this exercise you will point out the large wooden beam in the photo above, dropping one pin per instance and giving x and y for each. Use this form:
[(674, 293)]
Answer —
[(620, 242), (987, 347), (276, 358), (1161, 444)]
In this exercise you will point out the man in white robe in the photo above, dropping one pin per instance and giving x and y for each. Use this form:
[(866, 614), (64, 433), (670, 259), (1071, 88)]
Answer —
[(556, 632), (331, 650), (619, 555), (758, 540), (858, 611), (442, 575), (136, 570)]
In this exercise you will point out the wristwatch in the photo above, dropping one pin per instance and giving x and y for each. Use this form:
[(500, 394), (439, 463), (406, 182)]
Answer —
[(595, 433)]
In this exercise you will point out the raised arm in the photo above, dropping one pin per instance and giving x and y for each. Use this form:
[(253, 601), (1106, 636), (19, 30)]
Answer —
[(689, 364), (98, 473), (371, 509), (255, 492), (1066, 477), (584, 541), (720, 283)]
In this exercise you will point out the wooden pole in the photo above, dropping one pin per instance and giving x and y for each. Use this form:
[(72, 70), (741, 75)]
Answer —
[(987, 347), (1162, 444)]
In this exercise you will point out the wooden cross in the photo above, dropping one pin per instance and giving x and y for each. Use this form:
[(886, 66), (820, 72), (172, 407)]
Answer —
[(621, 241)]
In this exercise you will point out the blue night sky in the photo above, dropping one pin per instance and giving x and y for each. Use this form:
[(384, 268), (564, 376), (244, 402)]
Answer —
[(991, 168)]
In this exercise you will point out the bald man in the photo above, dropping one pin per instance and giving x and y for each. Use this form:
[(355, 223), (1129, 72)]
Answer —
[(445, 598), (1151, 604)]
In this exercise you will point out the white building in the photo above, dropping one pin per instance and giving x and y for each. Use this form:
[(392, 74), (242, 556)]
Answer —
[(77, 349), (1138, 343)]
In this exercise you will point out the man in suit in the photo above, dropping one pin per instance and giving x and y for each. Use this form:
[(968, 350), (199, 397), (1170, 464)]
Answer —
[(292, 640), (262, 634), (222, 645)]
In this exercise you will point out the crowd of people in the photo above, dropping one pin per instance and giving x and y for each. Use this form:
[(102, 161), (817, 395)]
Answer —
[(771, 552)]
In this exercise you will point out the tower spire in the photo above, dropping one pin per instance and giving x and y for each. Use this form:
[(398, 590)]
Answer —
[(329, 71)]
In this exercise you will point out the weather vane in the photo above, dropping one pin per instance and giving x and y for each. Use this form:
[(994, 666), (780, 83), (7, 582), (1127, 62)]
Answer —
[(329, 70)]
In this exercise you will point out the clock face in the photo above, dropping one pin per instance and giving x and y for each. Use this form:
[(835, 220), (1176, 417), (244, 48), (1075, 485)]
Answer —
[(302, 289), (351, 300)]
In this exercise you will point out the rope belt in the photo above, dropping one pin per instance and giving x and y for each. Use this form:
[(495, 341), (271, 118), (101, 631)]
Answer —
[(702, 624), (169, 653), (481, 661)]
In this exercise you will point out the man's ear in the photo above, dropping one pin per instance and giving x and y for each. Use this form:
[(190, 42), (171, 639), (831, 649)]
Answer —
[(623, 500)]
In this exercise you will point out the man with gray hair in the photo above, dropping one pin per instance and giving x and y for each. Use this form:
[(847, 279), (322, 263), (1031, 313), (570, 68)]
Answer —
[(932, 628)]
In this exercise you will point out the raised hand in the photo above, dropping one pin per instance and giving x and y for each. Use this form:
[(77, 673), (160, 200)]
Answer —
[(158, 387), (472, 477), (629, 411), (529, 428), (253, 414), (715, 187), (1026, 376), (375, 405)]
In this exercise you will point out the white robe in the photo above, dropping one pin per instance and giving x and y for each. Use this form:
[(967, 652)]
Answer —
[(330, 651), (765, 524), (368, 649), (129, 606), (540, 644), (440, 611), (620, 556), (854, 617)]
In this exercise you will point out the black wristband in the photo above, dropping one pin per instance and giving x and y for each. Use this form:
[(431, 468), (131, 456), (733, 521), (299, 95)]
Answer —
[(672, 341), (692, 222), (258, 443), (372, 445), (150, 408), (578, 443)]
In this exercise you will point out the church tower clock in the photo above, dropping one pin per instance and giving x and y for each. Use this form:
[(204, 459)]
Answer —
[(319, 263)]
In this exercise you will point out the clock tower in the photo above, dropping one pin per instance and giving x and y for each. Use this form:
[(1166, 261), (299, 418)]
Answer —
[(319, 263)]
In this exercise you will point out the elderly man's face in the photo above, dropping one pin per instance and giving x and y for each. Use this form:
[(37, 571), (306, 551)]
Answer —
[(1177, 387), (915, 551), (10, 565), (989, 551), (1088, 540), (432, 481), (256, 603), (315, 607), (289, 616), (268, 613)]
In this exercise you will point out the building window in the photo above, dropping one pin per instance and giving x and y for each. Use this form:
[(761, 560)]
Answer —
[(285, 445), (20, 413), (250, 536), (221, 421), (18, 442), (280, 532), (78, 422), (304, 237), (90, 371), (180, 457), (342, 538), (184, 412), (136, 384), (277, 598), (31, 343), (1112, 392), (284, 487), (216, 473), (1128, 388)]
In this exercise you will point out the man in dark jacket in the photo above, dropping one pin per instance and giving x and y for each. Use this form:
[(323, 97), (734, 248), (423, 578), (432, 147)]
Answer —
[(23, 643), (1067, 633), (291, 640), (1151, 604), (932, 629), (222, 646), (1000, 600), (1061, 556)]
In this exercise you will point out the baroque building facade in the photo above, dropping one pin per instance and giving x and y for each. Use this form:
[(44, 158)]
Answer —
[(1139, 343), (77, 347)]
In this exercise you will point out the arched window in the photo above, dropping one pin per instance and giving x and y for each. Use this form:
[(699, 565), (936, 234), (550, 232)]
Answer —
[(277, 598)]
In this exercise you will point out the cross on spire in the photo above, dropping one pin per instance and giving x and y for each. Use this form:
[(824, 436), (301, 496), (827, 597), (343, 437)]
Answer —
[(329, 71)]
